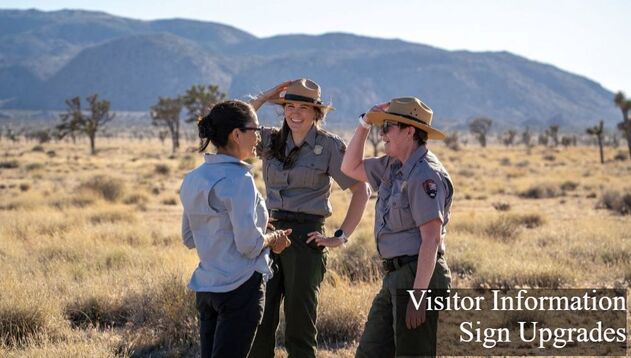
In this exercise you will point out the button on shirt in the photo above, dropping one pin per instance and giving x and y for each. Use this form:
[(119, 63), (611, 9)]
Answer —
[(409, 195), (224, 219), (306, 186)]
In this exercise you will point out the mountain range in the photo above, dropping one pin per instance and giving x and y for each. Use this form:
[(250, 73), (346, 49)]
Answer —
[(46, 57)]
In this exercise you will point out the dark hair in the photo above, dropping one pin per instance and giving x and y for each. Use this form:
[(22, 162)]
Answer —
[(222, 119), (420, 136), (279, 137)]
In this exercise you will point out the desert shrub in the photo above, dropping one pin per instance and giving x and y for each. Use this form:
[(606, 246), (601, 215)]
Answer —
[(136, 198), (25, 186), (51, 154), (462, 266), (168, 307), (169, 201), (549, 157), (27, 317), (615, 201), (97, 311), (501, 206), (162, 169), (502, 229), (569, 185), (542, 191), (9, 164), (356, 262), (34, 166), (38, 148), (111, 189), (111, 215), (76, 201), (620, 156), (342, 313)]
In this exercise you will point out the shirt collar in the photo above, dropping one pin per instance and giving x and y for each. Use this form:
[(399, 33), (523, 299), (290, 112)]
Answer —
[(416, 156), (309, 139), (210, 158)]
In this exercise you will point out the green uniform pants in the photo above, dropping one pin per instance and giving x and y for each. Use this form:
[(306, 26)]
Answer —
[(385, 334), (298, 272)]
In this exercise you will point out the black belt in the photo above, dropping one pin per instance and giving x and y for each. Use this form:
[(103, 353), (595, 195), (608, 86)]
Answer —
[(284, 215), (396, 263)]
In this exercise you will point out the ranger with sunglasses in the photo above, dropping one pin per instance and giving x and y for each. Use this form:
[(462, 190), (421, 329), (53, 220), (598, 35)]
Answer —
[(299, 160), (414, 199)]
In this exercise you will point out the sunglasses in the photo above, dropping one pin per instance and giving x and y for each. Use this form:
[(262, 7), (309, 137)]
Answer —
[(385, 127), (256, 129)]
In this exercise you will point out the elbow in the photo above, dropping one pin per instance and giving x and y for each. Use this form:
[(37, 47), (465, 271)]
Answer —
[(251, 249)]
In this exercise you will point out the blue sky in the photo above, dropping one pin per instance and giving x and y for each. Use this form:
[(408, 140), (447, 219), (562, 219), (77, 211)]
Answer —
[(587, 37)]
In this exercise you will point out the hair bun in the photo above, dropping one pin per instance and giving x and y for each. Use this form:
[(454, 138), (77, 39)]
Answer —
[(204, 130)]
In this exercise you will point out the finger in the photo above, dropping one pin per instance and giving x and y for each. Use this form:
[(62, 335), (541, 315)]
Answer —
[(270, 226), (288, 243), (311, 238), (408, 323), (288, 232)]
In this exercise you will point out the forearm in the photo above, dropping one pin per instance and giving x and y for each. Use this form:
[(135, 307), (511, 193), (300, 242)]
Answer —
[(353, 158), (359, 198), (257, 102)]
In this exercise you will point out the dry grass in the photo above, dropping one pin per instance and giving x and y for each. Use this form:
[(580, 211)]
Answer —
[(92, 264)]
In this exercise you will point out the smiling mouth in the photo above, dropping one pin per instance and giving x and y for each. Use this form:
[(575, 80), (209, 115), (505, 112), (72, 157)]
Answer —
[(295, 121)]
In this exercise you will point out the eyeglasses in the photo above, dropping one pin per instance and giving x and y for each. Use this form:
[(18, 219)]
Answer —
[(387, 125), (256, 129)]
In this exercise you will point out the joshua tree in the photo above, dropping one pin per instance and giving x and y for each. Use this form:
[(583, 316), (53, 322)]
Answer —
[(480, 127), (625, 106), (553, 133), (166, 113), (509, 137), (75, 120), (199, 99), (452, 141), (598, 132)]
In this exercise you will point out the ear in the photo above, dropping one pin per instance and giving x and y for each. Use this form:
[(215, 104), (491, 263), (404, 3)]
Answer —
[(235, 135)]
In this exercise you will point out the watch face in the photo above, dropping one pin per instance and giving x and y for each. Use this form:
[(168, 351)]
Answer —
[(338, 233)]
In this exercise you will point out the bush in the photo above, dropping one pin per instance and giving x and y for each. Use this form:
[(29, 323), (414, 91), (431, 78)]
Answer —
[(38, 148), (9, 164), (501, 206), (162, 169), (97, 311), (613, 200), (541, 191), (111, 189), (25, 186), (569, 185), (620, 156), (169, 201), (34, 166), (136, 198)]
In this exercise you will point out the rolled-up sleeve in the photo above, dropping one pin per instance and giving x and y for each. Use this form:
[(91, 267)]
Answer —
[(338, 148), (187, 234), (239, 197), (375, 170)]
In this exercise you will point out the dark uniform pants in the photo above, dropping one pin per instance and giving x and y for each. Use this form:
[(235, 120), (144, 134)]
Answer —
[(298, 272), (385, 334), (228, 320)]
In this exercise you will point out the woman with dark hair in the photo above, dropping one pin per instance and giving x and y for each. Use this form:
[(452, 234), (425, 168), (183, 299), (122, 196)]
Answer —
[(225, 220), (299, 160)]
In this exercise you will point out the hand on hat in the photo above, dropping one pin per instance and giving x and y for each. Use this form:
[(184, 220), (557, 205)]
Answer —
[(381, 107), (274, 92)]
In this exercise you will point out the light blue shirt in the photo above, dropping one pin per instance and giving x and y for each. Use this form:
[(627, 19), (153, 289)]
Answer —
[(224, 219)]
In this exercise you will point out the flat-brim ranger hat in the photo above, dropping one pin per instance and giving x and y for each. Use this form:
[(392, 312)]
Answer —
[(303, 91), (407, 110)]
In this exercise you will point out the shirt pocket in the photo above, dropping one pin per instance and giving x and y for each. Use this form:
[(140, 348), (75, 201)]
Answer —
[(275, 176), (400, 215), (309, 175)]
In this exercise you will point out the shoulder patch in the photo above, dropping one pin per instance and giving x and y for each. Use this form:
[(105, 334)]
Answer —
[(430, 188)]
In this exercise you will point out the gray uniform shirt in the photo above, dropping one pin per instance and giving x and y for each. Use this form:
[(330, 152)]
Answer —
[(224, 220), (409, 195), (305, 187)]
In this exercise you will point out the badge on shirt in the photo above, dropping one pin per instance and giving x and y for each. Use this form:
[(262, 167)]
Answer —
[(317, 149), (430, 188)]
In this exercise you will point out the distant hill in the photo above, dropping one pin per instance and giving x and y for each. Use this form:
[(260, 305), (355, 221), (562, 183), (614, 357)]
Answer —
[(46, 57)]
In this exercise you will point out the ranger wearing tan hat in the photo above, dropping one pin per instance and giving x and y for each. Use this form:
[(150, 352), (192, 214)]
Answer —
[(414, 199), (299, 160)]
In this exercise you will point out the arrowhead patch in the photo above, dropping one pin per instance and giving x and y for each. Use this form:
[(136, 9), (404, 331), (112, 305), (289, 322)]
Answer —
[(430, 188)]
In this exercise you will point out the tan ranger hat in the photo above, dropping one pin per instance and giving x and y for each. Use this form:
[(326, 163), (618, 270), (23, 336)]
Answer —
[(408, 110), (303, 91)]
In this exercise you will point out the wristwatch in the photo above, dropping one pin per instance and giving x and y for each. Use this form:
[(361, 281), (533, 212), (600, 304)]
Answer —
[(340, 234)]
